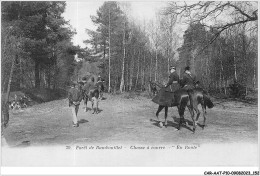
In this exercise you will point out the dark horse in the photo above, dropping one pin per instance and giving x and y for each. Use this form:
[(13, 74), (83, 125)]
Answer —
[(101, 89), (180, 99), (183, 98), (199, 96), (91, 94)]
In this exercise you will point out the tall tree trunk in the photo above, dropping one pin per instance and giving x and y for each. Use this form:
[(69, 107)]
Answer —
[(156, 65), (104, 52), (37, 74), (10, 79), (137, 74), (109, 53), (150, 75), (143, 78), (245, 67), (235, 66), (168, 62), (123, 63), (49, 77), (126, 73), (222, 70), (131, 71), (22, 73), (254, 77)]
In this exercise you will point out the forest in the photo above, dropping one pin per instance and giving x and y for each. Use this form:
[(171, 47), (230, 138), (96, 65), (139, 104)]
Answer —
[(38, 53)]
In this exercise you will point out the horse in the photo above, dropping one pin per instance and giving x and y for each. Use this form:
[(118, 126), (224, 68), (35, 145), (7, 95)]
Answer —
[(93, 97), (181, 99), (101, 89), (91, 93), (199, 96)]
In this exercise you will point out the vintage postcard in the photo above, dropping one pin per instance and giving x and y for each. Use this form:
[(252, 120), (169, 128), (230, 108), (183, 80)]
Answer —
[(167, 86)]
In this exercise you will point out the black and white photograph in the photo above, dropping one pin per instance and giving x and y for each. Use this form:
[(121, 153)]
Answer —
[(169, 84)]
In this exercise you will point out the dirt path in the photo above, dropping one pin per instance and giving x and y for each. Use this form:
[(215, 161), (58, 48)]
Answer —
[(127, 121)]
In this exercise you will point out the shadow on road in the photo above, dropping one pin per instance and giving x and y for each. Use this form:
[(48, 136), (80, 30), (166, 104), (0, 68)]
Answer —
[(82, 121), (88, 109), (172, 124)]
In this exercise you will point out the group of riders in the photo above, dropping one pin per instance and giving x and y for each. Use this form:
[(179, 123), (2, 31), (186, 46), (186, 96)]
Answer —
[(182, 93), (87, 91), (188, 82)]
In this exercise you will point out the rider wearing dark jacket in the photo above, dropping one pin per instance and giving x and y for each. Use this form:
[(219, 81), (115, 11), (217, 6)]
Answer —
[(173, 83), (166, 94), (189, 79)]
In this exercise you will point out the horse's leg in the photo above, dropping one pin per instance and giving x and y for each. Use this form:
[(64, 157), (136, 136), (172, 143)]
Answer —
[(203, 114), (192, 105), (181, 114), (92, 104), (86, 104), (96, 105), (192, 117), (197, 112), (160, 108), (101, 95), (166, 113)]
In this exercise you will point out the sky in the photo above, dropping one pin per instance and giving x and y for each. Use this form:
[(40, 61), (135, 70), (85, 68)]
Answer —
[(79, 12)]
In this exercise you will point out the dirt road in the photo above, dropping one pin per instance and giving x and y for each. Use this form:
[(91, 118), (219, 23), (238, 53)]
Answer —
[(123, 120)]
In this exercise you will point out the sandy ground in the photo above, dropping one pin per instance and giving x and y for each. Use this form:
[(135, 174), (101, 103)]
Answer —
[(126, 121), (120, 134)]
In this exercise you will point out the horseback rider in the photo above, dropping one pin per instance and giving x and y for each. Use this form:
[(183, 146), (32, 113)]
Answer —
[(189, 80), (75, 97), (99, 79), (165, 95), (100, 86), (173, 82)]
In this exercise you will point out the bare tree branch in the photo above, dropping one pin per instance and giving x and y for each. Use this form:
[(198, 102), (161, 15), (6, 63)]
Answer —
[(200, 11)]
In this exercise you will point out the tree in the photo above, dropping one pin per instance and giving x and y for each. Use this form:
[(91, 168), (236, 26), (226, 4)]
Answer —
[(40, 29), (208, 11)]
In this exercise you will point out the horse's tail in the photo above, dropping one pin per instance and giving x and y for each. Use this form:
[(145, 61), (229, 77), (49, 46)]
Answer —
[(207, 101)]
